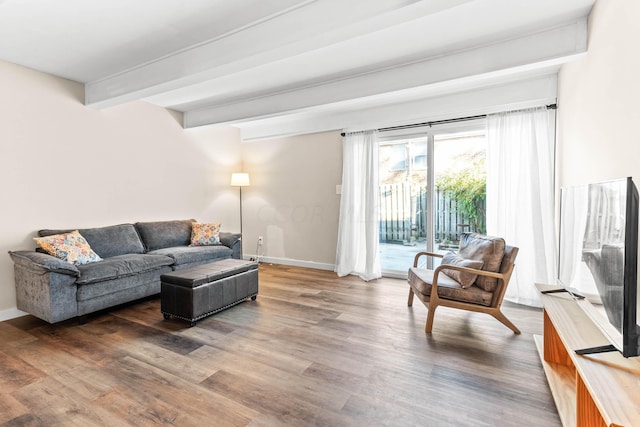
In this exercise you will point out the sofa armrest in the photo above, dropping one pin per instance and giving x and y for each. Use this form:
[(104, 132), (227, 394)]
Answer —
[(233, 241), (43, 263), (229, 239), (45, 286)]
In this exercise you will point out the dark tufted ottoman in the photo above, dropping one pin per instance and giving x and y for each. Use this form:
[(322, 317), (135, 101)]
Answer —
[(197, 292)]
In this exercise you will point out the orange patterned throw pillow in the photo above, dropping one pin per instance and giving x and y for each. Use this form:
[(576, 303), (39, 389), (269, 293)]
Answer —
[(205, 234), (70, 247)]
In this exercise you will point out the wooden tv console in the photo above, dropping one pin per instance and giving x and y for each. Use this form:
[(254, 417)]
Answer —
[(592, 390)]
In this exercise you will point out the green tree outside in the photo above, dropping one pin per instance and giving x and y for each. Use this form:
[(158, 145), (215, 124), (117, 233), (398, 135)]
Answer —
[(469, 187)]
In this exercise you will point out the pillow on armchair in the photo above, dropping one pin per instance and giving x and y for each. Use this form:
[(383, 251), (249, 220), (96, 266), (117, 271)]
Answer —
[(489, 250), (464, 278)]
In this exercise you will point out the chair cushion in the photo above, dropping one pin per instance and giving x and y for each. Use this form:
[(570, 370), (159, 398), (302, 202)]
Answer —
[(464, 278), (489, 250), (448, 288)]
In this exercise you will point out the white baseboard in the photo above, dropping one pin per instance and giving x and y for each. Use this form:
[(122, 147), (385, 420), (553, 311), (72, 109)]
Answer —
[(11, 313), (293, 262), (318, 265)]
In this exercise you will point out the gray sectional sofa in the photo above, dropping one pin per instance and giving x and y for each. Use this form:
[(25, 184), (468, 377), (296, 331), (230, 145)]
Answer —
[(134, 258)]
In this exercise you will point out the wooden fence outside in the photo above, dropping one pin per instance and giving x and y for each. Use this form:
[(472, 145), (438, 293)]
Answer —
[(403, 215)]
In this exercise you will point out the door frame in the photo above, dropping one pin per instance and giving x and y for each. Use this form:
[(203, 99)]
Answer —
[(430, 133)]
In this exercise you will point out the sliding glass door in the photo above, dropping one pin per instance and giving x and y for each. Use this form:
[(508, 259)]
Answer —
[(432, 188), (403, 199)]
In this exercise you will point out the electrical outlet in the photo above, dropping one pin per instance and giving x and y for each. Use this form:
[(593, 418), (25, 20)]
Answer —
[(260, 241)]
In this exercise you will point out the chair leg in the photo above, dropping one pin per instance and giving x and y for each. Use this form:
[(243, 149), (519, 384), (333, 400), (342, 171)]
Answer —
[(410, 300), (431, 311), (503, 319)]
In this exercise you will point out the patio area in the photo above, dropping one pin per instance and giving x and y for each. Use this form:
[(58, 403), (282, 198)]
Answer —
[(396, 258), (403, 219)]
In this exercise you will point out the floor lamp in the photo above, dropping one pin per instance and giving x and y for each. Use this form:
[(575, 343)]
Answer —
[(240, 179)]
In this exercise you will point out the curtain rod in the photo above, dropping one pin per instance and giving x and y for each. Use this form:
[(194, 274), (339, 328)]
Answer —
[(440, 122)]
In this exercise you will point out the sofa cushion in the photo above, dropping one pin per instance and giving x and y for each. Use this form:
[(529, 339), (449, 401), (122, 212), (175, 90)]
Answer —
[(195, 254), (464, 278), (165, 234), (99, 295), (108, 241), (205, 234), (489, 250), (121, 266), (70, 247), (448, 288)]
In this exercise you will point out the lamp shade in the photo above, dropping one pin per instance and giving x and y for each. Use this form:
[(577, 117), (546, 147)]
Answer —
[(240, 179)]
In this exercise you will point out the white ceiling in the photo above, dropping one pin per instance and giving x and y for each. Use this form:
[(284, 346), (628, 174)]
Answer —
[(242, 61)]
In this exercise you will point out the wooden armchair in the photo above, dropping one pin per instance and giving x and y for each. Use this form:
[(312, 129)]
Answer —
[(482, 290)]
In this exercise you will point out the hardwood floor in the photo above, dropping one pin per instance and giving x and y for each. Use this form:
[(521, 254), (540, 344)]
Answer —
[(312, 350)]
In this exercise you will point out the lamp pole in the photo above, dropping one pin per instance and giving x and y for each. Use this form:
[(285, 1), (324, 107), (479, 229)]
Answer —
[(240, 209), (240, 179)]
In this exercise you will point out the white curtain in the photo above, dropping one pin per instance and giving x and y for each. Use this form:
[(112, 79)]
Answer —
[(521, 194), (358, 234)]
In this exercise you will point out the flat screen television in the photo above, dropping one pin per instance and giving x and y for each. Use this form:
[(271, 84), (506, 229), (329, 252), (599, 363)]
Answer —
[(598, 258)]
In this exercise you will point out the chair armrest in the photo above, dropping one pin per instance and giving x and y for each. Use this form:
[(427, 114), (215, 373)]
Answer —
[(424, 253), (43, 263), (436, 272), (467, 270)]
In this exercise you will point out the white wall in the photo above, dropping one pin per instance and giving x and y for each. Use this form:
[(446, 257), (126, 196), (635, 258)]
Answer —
[(65, 165), (292, 201), (599, 100)]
